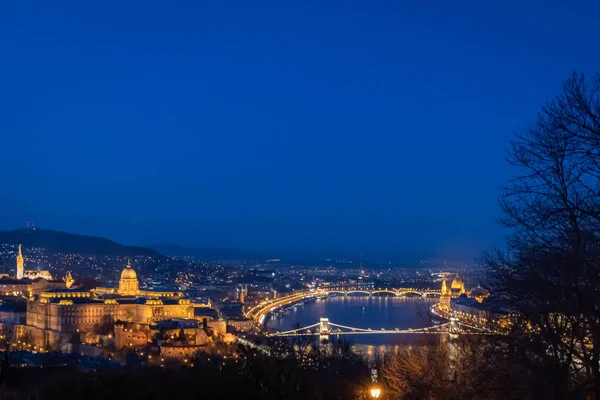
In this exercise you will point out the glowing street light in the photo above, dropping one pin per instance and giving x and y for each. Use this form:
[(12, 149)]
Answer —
[(375, 392)]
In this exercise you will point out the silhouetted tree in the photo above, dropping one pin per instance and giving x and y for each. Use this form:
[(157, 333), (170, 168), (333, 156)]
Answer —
[(470, 367), (550, 272)]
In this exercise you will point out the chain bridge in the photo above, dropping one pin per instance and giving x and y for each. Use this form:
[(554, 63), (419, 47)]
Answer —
[(393, 292), (325, 328)]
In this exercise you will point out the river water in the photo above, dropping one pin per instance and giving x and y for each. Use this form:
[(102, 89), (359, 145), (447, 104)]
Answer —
[(365, 312)]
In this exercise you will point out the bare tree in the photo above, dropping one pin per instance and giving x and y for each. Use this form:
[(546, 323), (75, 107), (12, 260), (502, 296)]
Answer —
[(465, 368), (550, 272)]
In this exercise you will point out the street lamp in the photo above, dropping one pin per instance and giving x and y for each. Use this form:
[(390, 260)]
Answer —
[(375, 392)]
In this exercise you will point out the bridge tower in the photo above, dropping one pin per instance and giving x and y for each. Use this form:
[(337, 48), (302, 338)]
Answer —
[(324, 326), (324, 330)]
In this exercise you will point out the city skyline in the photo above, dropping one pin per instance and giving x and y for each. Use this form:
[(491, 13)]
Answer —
[(293, 200)]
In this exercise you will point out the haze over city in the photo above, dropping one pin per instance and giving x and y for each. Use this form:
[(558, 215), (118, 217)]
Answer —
[(276, 127)]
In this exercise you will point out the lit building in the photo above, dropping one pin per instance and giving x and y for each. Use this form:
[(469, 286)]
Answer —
[(138, 335), (128, 285), (54, 315), (479, 293), (241, 324), (29, 273), (15, 287), (445, 297), (243, 293), (12, 311), (26, 288), (491, 312), (457, 287), (20, 264)]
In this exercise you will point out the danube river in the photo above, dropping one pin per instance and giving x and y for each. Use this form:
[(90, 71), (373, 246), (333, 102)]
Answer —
[(373, 312)]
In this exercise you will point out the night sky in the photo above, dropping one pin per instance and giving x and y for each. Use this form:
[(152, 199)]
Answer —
[(284, 126)]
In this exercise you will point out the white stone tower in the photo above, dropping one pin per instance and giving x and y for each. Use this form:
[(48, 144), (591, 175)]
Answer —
[(20, 264)]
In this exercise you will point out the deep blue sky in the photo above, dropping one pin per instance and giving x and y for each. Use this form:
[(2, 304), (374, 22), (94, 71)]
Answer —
[(374, 126)]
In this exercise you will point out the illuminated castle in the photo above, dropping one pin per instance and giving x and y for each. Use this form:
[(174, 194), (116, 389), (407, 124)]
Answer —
[(29, 273), (57, 313)]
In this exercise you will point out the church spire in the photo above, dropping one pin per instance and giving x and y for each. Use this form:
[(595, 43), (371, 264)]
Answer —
[(20, 264), (444, 287)]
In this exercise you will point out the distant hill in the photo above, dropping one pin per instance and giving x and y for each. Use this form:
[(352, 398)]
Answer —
[(71, 243), (206, 254)]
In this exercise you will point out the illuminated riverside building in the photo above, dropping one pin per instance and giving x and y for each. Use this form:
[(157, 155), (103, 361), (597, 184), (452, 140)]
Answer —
[(56, 314), (489, 313), (455, 303), (457, 288), (445, 297)]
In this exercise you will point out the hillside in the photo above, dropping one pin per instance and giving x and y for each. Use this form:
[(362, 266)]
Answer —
[(71, 243), (205, 253)]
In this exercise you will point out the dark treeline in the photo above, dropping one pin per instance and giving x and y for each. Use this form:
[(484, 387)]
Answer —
[(293, 370)]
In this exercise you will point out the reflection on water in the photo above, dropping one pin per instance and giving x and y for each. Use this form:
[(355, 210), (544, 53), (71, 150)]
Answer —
[(373, 312), (371, 352)]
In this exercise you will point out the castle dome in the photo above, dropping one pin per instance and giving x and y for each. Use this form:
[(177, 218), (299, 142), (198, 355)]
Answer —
[(128, 272)]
